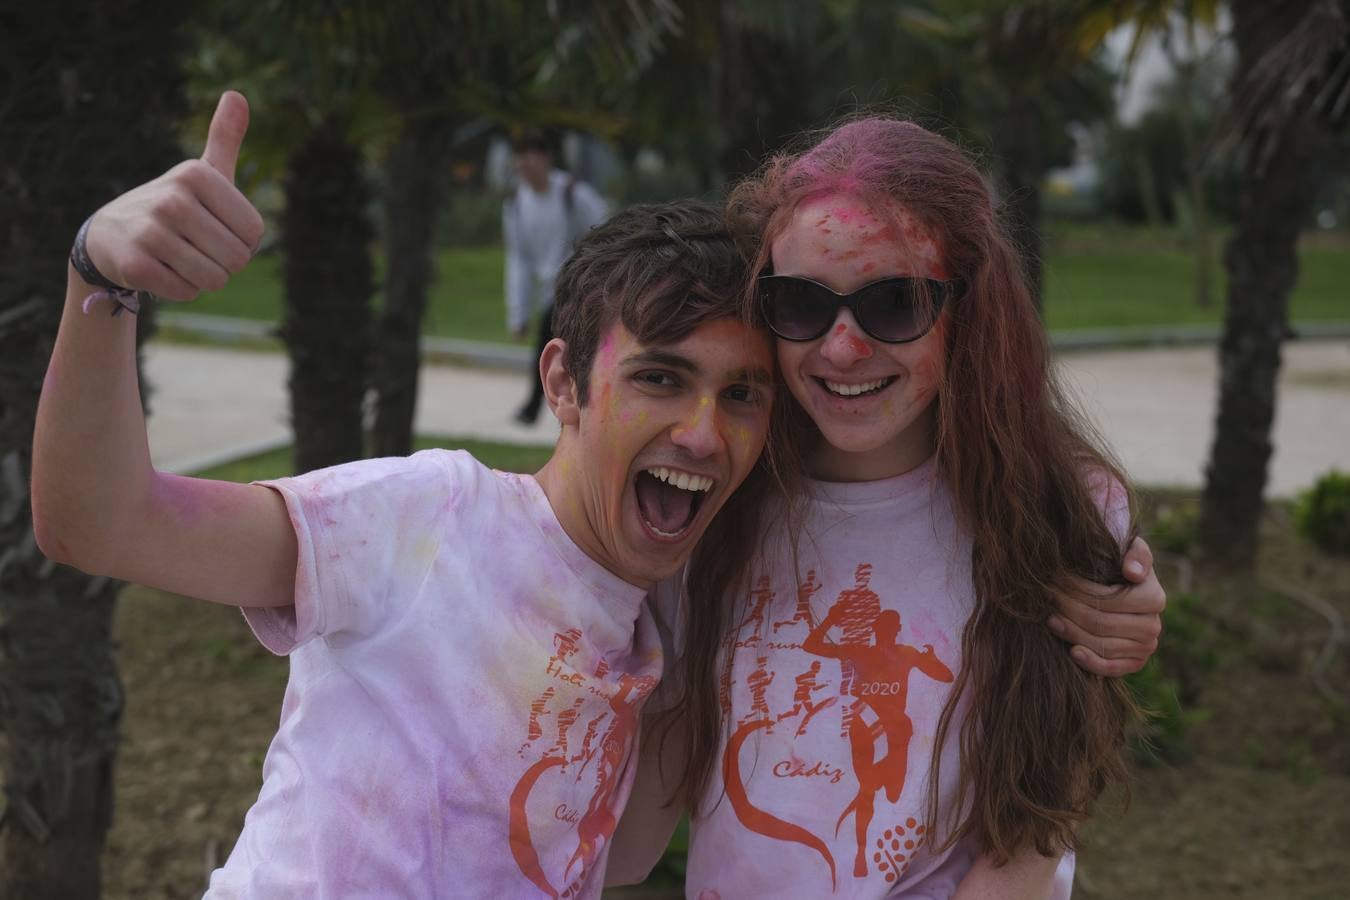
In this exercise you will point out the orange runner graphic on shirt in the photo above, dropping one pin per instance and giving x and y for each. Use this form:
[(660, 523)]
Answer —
[(875, 667), (603, 754)]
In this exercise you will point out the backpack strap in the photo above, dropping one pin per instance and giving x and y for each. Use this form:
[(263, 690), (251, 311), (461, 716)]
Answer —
[(569, 194)]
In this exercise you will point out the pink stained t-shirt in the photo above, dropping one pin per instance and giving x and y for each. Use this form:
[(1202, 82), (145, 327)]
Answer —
[(835, 692), (463, 698)]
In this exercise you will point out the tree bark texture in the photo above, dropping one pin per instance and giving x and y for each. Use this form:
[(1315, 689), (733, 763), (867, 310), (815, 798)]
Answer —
[(327, 272), (1261, 259), (1017, 139), (89, 109), (414, 192), (759, 97)]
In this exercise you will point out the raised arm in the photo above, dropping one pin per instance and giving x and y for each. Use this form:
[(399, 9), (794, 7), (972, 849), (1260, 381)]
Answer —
[(817, 641), (1027, 876), (98, 504), (930, 665)]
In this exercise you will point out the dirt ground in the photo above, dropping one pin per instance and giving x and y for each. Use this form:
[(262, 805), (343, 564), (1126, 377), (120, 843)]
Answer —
[(1259, 809)]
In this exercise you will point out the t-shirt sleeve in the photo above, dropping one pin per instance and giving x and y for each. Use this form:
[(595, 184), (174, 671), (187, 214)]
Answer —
[(1114, 502), (368, 534)]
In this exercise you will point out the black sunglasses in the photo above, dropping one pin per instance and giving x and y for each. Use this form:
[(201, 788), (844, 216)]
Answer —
[(893, 310)]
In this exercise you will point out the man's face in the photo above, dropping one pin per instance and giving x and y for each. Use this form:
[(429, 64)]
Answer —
[(533, 166), (669, 431)]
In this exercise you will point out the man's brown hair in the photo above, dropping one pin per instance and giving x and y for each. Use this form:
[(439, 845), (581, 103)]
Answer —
[(660, 269)]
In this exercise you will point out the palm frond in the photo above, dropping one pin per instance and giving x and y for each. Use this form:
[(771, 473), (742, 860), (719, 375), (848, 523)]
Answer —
[(1304, 76)]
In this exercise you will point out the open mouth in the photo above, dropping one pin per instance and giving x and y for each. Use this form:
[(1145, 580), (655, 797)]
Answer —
[(668, 499), (849, 391)]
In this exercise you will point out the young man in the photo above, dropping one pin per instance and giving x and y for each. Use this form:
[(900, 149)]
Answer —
[(542, 220), (469, 649)]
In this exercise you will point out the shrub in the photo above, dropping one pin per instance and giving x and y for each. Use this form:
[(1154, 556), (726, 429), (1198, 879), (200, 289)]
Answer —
[(1175, 527), (1323, 513), (1168, 688)]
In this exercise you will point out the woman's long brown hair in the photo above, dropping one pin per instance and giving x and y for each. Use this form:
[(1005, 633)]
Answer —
[(1042, 738)]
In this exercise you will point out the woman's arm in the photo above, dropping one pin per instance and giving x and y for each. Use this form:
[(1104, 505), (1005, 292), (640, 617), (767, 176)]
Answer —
[(649, 819), (1027, 876)]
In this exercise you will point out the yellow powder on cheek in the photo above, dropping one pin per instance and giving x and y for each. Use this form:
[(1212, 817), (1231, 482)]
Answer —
[(746, 438)]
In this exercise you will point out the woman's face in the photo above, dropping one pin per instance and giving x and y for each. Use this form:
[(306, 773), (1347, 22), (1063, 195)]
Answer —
[(872, 401)]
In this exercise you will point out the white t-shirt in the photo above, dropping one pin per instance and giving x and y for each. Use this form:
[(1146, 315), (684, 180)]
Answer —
[(463, 697), (540, 228), (835, 692)]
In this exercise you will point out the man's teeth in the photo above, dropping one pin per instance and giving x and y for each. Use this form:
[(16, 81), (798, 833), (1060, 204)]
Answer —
[(853, 390), (682, 480)]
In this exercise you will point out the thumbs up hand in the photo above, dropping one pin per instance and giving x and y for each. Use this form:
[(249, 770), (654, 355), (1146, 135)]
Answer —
[(190, 229)]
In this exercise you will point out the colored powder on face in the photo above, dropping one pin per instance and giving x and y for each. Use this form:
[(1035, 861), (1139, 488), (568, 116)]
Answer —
[(921, 246), (884, 235), (840, 328), (859, 346), (867, 267)]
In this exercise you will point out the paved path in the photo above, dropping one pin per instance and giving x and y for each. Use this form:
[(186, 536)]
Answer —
[(1155, 407)]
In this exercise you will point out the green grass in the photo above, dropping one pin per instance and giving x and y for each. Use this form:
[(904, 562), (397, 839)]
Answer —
[(277, 463), (1130, 286), (1097, 276), (466, 300)]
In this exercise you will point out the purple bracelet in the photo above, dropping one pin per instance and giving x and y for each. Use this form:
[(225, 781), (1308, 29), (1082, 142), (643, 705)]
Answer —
[(122, 298)]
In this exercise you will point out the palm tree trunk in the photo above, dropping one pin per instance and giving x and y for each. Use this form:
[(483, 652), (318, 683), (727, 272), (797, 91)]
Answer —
[(77, 127), (1185, 70), (327, 271), (1262, 264), (1017, 137), (414, 192)]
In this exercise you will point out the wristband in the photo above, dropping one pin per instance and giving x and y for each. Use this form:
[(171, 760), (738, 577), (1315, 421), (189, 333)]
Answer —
[(79, 258), (122, 298)]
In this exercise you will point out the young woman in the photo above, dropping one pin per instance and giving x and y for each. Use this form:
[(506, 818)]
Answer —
[(895, 717)]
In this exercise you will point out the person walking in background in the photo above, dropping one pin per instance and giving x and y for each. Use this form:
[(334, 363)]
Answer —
[(542, 220)]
